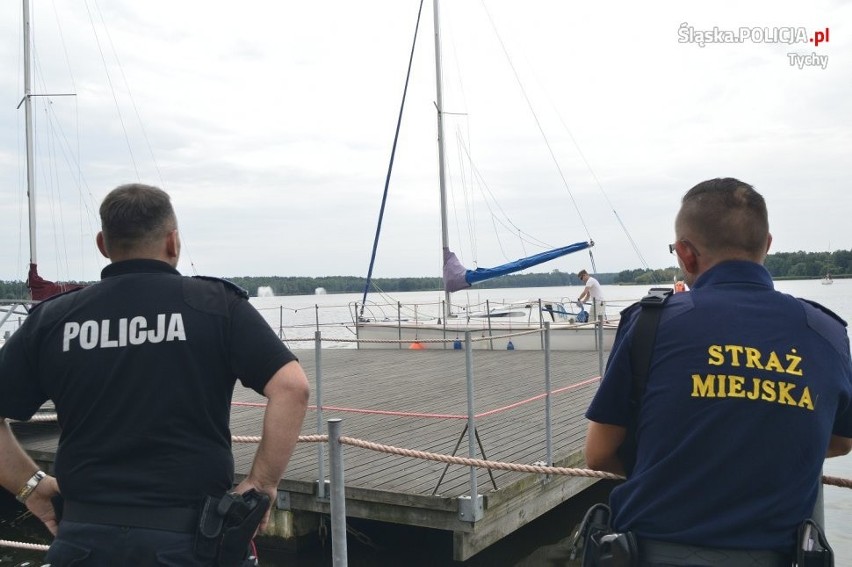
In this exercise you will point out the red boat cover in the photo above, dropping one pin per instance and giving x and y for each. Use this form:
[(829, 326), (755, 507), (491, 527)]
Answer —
[(41, 288)]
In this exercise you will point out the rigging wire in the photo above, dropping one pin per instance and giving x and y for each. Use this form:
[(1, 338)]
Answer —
[(579, 151), (390, 164), (601, 189), (49, 176), (112, 90), (184, 245), (21, 169), (489, 196), (468, 201), (58, 143), (82, 204), (466, 176), (476, 178), (130, 95), (535, 117)]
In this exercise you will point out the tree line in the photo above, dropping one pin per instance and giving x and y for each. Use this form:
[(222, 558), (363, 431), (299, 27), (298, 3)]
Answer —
[(782, 265)]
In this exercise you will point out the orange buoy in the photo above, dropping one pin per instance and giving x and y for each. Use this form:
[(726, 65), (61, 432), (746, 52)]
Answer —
[(416, 346)]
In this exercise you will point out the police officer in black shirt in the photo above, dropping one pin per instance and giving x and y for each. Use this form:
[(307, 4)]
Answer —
[(141, 367)]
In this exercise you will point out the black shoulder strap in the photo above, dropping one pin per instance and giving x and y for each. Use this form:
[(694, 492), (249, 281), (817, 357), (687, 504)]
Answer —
[(242, 292), (644, 336), (641, 348)]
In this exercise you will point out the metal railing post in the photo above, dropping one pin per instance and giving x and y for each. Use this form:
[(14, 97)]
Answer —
[(470, 507), (316, 306), (338, 495), (9, 313), (280, 321), (357, 328), (443, 317), (321, 492), (547, 400), (399, 324), (488, 318), (471, 419), (599, 332)]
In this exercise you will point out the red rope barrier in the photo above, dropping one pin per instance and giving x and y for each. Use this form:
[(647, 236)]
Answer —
[(394, 413)]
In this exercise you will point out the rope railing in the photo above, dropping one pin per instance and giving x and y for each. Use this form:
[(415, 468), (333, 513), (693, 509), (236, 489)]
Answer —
[(464, 461), (23, 545), (482, 463)]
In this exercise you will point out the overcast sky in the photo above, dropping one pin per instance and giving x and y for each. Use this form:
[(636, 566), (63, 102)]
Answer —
[(271, 126)]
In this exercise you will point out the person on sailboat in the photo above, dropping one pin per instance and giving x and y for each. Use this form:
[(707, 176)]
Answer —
[(747, 391), (592, 292), (141, 368)]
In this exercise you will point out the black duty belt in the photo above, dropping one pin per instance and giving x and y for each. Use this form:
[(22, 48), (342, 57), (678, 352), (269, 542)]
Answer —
[(653, 551), (170, 519)]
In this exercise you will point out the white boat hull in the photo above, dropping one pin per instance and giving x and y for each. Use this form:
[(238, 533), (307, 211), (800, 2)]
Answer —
[(408, 335)]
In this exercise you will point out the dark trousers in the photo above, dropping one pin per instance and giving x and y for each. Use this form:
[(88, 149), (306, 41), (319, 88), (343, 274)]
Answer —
[(95, 545), (664, 554)]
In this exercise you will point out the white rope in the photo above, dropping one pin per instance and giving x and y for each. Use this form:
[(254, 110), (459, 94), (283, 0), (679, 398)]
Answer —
[(21, 545)]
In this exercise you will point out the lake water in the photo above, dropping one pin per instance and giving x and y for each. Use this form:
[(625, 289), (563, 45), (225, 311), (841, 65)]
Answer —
[(544, 541)]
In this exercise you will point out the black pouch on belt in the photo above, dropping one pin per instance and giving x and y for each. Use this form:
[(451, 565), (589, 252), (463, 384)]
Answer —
[(227, 525), (812, 549)]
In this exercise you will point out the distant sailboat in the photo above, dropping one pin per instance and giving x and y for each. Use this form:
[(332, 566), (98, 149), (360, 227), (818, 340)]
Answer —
[(827, 280)]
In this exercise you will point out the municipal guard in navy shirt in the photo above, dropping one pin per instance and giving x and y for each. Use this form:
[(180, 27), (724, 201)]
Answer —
[(141, 367), (747, 392)]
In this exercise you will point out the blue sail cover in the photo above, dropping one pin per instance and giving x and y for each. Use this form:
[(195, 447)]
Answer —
[(456, 277)]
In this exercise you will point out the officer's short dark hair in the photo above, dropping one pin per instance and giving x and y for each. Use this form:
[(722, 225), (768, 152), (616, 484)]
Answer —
[(135, 214), (726, 214)]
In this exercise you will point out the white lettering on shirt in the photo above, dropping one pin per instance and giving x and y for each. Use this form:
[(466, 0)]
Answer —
[(89, 335)]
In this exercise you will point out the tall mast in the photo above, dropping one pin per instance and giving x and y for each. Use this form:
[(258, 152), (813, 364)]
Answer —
[(29, 132), (445, 235)]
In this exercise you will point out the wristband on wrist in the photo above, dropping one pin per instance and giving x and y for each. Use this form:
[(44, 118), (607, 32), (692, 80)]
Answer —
[(30, 486)]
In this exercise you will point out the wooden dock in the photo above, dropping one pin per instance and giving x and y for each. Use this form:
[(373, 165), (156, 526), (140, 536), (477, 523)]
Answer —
[(408, 385)]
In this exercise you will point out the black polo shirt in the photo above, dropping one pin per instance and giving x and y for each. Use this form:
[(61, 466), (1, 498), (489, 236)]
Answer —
[(141, 367)]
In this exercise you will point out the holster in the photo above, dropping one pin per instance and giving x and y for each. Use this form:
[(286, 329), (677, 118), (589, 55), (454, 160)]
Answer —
[(615, 550), (812, 549), (227, 525), (602, 547)]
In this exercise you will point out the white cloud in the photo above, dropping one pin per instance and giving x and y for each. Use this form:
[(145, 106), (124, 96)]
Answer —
[(271, 125)]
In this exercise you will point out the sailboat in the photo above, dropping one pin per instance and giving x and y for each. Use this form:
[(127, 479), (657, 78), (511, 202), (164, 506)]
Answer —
[(39, 288), (516, 325)]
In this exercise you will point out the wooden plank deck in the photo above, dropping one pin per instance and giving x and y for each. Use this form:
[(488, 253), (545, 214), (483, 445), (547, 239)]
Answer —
[(399, 489)]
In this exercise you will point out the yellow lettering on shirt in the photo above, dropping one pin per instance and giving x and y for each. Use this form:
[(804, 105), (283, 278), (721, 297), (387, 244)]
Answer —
[(773, 363), (716, 356), (735, 351), (794, 361), (720, 386)]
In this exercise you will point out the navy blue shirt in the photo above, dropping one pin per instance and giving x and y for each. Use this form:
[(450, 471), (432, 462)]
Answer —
[(745, 388), (141, 367)]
